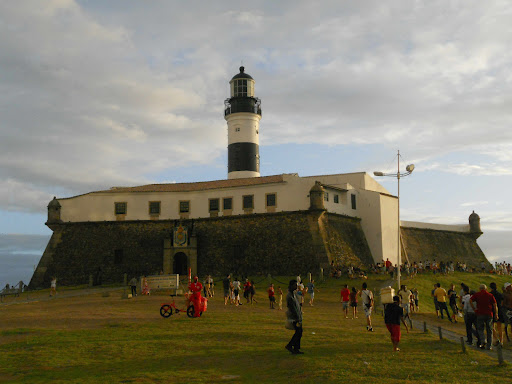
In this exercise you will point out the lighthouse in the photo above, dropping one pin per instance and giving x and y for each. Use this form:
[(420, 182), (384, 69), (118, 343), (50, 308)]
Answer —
[(243, 114)]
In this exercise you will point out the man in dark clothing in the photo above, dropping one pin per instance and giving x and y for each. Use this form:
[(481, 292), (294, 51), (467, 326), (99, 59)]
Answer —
[(294, 316), (393, 314), (133, 285), (500, 315)]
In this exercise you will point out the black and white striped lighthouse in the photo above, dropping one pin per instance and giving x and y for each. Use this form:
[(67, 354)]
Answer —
[(243, 114)]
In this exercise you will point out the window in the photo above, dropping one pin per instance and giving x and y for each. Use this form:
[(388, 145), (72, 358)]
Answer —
[(120, 208), (248, 202), (154, 207), (184, 206), (337, 199), (240, 87), (237, 129), (353, 199), (213, 205), (326, 196), (271, 200), (227, 203), (118, 256)]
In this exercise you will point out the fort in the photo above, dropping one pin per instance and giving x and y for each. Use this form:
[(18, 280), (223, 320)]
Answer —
[(247, 224)]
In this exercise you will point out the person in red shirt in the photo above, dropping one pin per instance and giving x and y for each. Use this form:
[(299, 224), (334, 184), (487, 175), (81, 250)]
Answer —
[(247, 289), (345, 299), (271, 296), (196, 287), (485, 310)]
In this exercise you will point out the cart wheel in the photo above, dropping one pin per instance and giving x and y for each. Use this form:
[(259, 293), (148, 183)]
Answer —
[(166, 310), (190, 311)]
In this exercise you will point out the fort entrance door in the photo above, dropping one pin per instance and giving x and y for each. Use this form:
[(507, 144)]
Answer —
[(180, 264)]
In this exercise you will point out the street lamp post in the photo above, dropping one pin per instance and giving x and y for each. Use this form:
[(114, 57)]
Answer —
[(398, 175)]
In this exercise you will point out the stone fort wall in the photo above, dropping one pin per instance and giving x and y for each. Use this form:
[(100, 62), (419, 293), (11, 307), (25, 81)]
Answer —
[(427, 244), (284, 243)]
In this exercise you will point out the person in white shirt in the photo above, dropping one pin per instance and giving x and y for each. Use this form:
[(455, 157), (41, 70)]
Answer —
[(367, 298), (236, 290), (469, 317), (405, 302)]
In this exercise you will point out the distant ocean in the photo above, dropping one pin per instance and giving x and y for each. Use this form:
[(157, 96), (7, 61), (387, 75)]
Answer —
[(19, 255)]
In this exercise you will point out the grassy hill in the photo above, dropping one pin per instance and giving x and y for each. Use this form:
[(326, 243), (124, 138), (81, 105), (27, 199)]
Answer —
[(96, 339)]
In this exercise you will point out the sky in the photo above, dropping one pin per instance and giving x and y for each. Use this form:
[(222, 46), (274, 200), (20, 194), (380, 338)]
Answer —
[(97, 94)]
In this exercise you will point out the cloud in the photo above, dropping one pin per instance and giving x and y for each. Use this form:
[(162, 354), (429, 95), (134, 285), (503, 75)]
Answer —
[(496, 245), (474, 203), (98, 94)]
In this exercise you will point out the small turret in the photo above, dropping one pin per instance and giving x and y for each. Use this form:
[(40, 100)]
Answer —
[(316, 197), (54, 211), (474, 225)]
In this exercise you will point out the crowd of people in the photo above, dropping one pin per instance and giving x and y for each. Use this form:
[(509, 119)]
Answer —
[(411, 269), (486, 313)]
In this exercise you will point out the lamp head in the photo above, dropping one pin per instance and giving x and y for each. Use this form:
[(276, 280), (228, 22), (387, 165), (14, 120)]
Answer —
[(378, 173), (410, 168)]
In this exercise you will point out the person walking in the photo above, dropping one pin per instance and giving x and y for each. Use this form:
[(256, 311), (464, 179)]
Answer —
[(452, 297), (469, 317), (133, 285), (436, 304), (226, 282), (353, 302), (507, 304), (441, 295), (210, 282), (499, 315), (236, 291), (405, 297), (253, 292), (271, 296), (416, 298), (393, 314), (294, 318), (247, 290), (485, 310), (53, 286), (367, 298), (311, 291), (345, 299), (300, 291)]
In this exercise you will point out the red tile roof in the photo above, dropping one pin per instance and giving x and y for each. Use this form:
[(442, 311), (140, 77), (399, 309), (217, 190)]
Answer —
[(199, 186)]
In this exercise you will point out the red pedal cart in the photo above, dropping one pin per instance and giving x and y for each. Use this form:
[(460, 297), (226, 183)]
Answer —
[(167, 309)]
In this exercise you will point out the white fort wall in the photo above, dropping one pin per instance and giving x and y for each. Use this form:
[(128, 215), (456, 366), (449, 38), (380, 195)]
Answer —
[(291, 195)]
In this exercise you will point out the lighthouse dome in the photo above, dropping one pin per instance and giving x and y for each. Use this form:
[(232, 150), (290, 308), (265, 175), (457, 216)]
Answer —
[(242, 75)]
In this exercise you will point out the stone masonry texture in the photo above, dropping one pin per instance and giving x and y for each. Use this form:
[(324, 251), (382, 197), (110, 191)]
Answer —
[(276, 243), (429, 244)]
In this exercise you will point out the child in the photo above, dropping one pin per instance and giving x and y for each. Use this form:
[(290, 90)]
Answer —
[(271, 296), (280, 291)]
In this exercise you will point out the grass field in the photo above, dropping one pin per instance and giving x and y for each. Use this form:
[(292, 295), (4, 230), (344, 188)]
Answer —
[(96, 339)]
